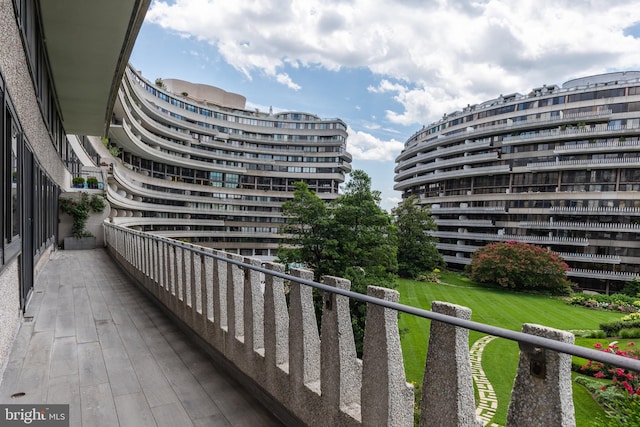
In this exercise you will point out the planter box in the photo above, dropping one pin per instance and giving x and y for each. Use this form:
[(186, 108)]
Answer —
[(74, 243)]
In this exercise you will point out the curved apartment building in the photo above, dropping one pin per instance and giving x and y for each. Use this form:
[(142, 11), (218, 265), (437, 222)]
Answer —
[(195, 164), (558, 167)]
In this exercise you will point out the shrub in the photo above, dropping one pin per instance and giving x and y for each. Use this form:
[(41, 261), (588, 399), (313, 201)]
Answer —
[(520, 266), (632, 288), (614, 327), (92, 182), (630, 316), (630, 333), (624, 411)]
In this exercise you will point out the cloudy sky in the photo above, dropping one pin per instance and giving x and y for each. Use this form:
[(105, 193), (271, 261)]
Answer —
[(385, 67)]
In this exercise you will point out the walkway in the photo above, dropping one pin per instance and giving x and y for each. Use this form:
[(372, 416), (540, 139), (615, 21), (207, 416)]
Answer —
[(93, 340), (488, 402)]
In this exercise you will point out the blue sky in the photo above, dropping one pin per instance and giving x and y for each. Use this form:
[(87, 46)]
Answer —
[(385, 67)]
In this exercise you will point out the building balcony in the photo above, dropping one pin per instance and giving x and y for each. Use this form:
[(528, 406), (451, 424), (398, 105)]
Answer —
[(539, 240), (601, 210), (570, 133), (440, 164), (632, 144), (457, 248), (466, 147), (166, 333), (436, 210), (465, 222), (437, 175), (479, 132), (584, 226), (93, 340), (620, 276), (591, 258), (627, 162)]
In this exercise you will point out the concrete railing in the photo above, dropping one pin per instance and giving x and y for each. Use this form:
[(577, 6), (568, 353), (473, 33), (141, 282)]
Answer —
[(237, 309)]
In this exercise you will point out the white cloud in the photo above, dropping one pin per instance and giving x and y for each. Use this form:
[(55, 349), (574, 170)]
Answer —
[(364, 146), (283, 78), (432, 57)]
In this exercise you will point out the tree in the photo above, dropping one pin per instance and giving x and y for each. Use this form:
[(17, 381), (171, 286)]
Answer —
[(417, 252), (520, 266), (352, 237), (366, 244), (308, 231)]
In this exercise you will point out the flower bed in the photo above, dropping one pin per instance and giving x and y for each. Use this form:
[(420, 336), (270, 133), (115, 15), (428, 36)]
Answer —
[(616, 302)]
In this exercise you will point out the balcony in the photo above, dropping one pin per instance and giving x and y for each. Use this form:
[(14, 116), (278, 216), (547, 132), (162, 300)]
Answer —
[(539, 240), (626, 162), (118, 339), (92, 340), (584, 226)]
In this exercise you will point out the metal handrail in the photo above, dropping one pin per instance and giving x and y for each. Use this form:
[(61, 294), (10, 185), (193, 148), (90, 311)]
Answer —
[(520, 337)]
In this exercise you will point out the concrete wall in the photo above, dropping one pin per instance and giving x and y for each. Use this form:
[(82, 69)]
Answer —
[(94, 223), (9, 309)]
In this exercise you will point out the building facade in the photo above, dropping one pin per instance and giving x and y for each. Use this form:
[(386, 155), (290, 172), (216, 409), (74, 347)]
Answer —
[(558, 167), (46, 51), (194, 164)]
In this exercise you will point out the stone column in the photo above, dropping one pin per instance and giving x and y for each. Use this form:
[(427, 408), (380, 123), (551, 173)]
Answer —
[(253, 313), (304, 340), (276, 319), (542, 394), (447, 389), (387, 399), (341, 376)]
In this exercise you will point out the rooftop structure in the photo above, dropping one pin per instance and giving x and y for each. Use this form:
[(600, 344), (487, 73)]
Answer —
[(558, 167)]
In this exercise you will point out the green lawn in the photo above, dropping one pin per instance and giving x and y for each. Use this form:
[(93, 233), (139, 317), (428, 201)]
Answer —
[(498, 308)]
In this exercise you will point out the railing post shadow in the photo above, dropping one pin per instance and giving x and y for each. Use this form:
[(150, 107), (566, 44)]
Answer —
[(542, 393), (447, 389), (387, 399)]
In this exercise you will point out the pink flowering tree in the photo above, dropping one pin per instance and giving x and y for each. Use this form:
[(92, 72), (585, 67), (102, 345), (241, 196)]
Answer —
[(521, 266)]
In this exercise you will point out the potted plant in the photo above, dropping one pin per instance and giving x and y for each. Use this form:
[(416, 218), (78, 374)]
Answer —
[(78, 182), (92, 182), (79, 211)]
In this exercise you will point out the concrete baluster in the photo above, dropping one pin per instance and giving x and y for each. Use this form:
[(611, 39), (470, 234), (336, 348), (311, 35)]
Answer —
[(276, 335), (341, 373), (304, 339), (218, 295), (235, 291), (181, 282), (447, 389), (187, 256), (207, 292), (542, 394), (387, 399), (253, 312), (276, 319)]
